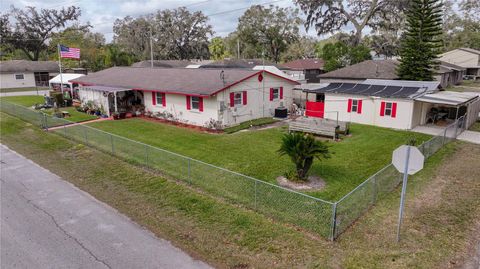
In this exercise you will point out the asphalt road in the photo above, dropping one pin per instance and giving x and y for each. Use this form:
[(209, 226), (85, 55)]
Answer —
[(47, 222)]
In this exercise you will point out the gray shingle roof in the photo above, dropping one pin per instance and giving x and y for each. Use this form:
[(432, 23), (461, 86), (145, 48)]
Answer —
[(163, 63), (304, 64), (380, 69), (237, 63), (198, 81), (28, 66)]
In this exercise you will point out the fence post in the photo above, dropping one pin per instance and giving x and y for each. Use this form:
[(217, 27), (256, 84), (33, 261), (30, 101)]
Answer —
[(65, 129), (374, 180), (456, 127), (188, 172), (334, 222), (255, 192), (85, 134), (111, 141), (444, 136), (146, 155)]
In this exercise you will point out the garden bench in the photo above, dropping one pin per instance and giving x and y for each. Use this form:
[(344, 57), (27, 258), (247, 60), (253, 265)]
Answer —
[(319, 129)]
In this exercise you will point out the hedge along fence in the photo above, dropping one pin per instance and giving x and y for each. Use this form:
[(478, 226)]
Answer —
[(328, 219)]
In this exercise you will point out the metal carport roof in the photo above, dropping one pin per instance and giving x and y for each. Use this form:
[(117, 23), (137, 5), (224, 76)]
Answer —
[(448, 98)]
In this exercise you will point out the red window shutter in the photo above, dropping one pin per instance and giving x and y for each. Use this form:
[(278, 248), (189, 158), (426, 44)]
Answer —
[(244, 97), (164, 101), (188, 102), (200, 104), (382, 109), (281, 92), (349, 108), (359, 107), (394, 110), (232, 99), (271, 94), (154, 98)]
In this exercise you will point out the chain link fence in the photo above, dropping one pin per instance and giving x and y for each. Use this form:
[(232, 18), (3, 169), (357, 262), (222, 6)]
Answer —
[(328, 219)]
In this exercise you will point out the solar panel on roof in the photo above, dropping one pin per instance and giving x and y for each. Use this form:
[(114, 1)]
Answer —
[(368, 90)]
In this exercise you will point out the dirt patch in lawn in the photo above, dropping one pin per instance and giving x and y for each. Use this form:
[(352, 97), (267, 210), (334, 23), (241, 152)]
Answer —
[(314, 183)]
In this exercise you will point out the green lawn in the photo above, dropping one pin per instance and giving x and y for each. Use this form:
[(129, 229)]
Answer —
[(442, 209), (248, 124), (475, 127), (27, 100), (254, 153), (27, 89), (30, 100)]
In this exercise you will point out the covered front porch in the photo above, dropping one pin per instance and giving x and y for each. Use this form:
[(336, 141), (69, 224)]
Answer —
[(113, 101)]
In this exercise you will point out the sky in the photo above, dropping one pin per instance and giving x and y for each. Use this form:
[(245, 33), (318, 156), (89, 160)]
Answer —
[(101, 14)]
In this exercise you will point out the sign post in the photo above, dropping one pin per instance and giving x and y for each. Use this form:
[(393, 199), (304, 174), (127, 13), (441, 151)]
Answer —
[(407, 160)]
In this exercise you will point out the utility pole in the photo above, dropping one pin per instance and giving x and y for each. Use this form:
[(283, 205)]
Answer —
[(151, 48)]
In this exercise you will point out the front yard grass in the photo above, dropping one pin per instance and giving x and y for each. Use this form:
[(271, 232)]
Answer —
[(27, 89), (31, 100), (439, 231), (254, 153), (475, 127)]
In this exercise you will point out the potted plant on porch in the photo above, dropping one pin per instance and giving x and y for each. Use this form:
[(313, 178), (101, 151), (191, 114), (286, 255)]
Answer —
[(116, 115)]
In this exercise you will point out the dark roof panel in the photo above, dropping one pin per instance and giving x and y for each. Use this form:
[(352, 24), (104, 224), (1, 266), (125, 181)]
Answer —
[(370, 90)]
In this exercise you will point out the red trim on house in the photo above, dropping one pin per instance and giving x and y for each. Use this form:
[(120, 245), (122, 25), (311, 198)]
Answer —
[(281, 92), (167, 92), (164, 100), (188, 102), (244, 97), (359, 106), (394, 110), (200, 104), (382, 109), (232, 99), (154, 98), (271, 94), (349, 107)]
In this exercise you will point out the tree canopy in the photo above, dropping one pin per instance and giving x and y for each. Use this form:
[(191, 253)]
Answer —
[(33, 28), (340, 54), (422, 42), (269, 30), (330, 16)]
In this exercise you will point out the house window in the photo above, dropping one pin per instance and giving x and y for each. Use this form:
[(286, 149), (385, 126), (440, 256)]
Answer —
[(354, 105), (388, 109), (320, 97), (159, 97), (276, 93), (195, 102), (237, 98), (19, 76)]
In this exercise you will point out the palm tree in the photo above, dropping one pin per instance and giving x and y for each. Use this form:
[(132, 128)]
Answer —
[(302, 149)]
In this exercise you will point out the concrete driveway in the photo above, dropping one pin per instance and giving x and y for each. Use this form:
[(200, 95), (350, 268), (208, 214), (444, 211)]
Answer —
[(40, 92), (47, 222)]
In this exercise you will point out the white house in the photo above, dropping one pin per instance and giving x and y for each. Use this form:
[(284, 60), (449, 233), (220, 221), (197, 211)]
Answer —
[(466, 58), (394, 106), (24, 74), (197, 96)]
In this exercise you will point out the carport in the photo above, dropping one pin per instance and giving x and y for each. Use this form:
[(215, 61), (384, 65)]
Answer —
[(444, 107)]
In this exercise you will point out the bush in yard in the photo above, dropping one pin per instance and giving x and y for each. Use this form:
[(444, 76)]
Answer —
[(302, 149), (57, 97)]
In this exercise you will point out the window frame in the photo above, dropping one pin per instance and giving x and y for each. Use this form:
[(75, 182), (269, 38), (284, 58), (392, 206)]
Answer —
[(389, 109), (192, 107), (15, 76), (278, 93), (157, 101), (237, 101), (354, 107)]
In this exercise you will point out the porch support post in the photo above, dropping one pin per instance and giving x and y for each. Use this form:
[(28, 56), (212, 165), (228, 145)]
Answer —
[(115, 99), (456, 115)]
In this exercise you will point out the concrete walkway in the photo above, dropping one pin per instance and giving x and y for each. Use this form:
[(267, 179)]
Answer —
[(470, 136), (430, 130), (49, 223), (79, 123)]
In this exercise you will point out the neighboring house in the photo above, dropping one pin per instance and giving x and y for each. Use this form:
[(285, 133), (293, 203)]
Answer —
[(466, 58), (23, 73), (199, 96), (447, 74), (304, 69), (63, 79), (398, 104), (163, 63)]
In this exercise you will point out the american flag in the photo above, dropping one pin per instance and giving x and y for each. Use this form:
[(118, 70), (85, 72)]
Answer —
[(66, 52)]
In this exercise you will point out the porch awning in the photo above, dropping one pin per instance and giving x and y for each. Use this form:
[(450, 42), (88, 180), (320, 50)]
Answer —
[(106, 88), (448, 98)]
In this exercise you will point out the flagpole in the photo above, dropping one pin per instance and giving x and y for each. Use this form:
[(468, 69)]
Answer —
[(60, 67)]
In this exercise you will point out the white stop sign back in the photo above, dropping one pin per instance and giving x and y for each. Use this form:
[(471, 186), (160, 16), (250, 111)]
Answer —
[(415, 162)]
